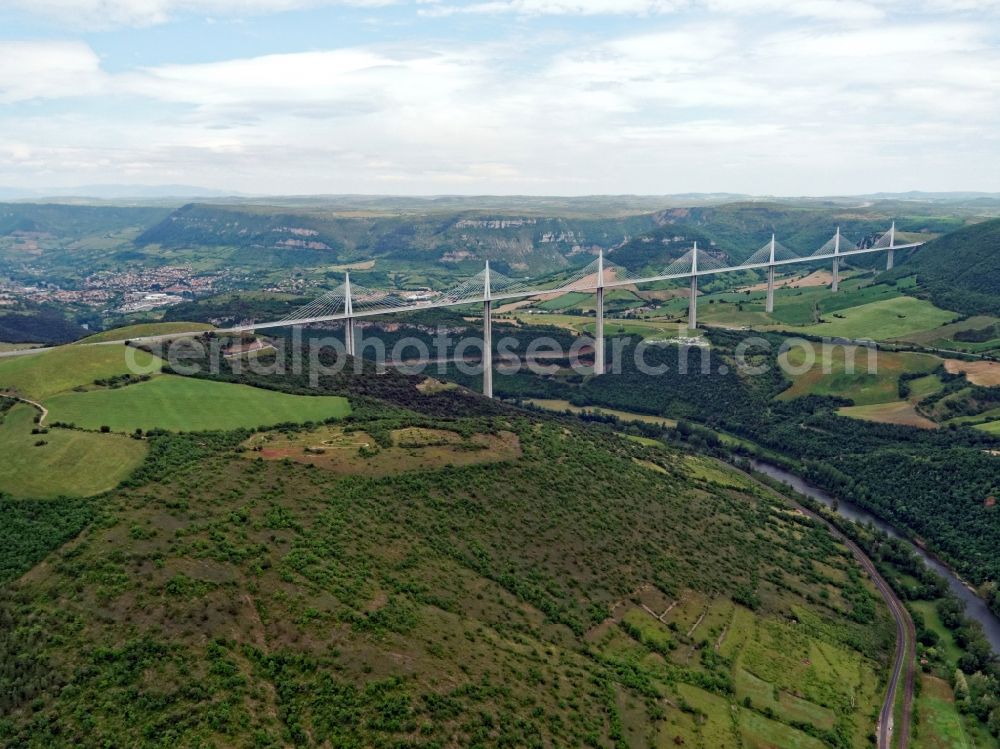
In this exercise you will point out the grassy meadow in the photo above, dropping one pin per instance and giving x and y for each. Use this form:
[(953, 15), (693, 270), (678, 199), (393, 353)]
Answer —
[(84, 462), (832, 374), (39, 376), (146, 329), (883, 320), (861, 309), (70, 462), (184, 404), (561, 406)]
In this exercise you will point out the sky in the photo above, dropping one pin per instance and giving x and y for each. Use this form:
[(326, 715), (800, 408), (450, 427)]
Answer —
[(539, 97)]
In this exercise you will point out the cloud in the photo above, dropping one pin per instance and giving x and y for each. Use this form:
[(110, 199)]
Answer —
[(560, 7), (44, 69), (358, 78), (836, 10), (692, 103), (115, 13)]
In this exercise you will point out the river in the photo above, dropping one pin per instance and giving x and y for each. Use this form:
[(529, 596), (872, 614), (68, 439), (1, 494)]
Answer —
[(975, 607)]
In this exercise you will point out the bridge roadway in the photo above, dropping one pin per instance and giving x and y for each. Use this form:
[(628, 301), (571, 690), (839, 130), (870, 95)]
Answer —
[(488, 298), (522, 294)]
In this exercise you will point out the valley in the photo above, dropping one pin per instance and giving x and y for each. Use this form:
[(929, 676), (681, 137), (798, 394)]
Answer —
[(208, 549)]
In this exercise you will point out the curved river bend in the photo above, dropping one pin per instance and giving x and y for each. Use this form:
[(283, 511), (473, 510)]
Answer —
[(975, 607)]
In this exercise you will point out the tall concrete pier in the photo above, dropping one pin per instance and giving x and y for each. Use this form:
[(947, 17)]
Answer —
[(693, 303), (769, 306), (599, 332), (349, 316), (890, 255), (487, 335), (835, 285)]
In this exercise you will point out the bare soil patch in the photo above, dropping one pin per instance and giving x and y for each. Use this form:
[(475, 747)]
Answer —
[(357, 453), (816, 278), (983, 373), (890, 413)]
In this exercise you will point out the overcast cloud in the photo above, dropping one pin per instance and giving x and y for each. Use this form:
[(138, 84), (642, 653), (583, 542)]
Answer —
[(502, 96)]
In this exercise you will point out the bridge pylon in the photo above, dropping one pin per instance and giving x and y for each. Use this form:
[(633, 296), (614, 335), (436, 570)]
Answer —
[(487, 335), (835, 284), (889, 256), (769, 305), (693, 302), (599, 332), (348, 316)]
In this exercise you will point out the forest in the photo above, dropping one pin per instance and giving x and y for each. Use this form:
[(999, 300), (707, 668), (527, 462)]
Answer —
[(934, 483), (222, 598), (961, 270)]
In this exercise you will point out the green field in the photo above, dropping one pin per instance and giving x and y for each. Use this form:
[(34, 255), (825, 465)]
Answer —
[(61, 369), (900, 412), (655, 328), (891, 318), (613, 299), (564, 405), (792, 306), (844, 371), (183, 404), (993, 427), (146, 329), (861, 309), (71, 463), (784, 676), (940, 723)]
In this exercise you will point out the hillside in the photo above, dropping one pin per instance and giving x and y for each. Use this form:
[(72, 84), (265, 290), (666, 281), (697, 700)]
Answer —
[(49, 220), (961, 270), (272, 236), (739, 229), (401, 578), (31, 323)]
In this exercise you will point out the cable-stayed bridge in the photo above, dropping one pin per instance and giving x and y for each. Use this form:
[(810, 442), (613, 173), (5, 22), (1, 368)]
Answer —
[(349, 302)]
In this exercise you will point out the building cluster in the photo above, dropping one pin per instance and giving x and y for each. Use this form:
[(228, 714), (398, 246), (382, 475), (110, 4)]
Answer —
[(172, 279), (133, 291), (290, 286)]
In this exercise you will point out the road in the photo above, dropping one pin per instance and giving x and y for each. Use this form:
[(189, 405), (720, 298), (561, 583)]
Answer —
[(903, 667)]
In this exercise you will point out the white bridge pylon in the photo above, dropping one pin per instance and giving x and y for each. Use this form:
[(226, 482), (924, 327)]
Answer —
[(348, 301)]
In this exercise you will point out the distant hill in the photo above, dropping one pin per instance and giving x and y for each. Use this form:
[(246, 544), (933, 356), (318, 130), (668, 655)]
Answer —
[(740, 229), (69, 222), (519, 245), (961, 270), (110, 192)]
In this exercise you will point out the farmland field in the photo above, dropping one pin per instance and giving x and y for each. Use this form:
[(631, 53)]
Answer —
[(891, 318), (945, 336), (940, 725), (784, 677), (832, 375), (612, 326), (70, 462), (182, 404), (993, 427), (146, 329), (900, 412), (984, 373), (357, 453), (565, 405), (42, 375), (616, 298)]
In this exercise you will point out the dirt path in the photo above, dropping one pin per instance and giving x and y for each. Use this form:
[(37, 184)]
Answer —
[(36, 404), (903, 667)]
